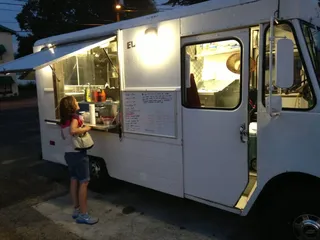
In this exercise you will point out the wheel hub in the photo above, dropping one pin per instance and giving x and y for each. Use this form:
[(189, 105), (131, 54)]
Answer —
[(307, 227), (95, 169)]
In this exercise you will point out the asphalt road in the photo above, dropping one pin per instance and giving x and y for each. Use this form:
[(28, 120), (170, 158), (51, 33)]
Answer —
[(25, 180)]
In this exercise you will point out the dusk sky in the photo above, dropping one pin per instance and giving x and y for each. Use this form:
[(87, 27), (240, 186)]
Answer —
[(10, 8), (8, 11)]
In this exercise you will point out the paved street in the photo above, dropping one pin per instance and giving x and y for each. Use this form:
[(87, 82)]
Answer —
[(24, 179), (34, 201)]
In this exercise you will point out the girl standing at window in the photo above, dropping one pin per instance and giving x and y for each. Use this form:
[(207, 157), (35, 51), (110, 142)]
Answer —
[(78, 161)]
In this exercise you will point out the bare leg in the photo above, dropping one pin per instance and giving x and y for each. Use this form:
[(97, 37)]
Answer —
[(74, 192), (84, 217), (83, 197)]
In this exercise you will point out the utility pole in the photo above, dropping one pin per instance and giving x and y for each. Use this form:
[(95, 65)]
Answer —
[(118, 16), (118, 6)]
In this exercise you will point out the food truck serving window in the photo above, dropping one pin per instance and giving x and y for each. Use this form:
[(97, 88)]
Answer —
[(214, 70), (92, 77), (97, 68), (87, 70)]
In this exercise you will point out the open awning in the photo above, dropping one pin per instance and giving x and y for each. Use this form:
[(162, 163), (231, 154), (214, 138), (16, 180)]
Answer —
[(4, 80), (48, 56)]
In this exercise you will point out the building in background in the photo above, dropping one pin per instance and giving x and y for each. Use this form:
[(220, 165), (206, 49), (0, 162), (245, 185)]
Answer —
[(8, 83)]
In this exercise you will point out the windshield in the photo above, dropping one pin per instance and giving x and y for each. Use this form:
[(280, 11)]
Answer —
[(312, 37)]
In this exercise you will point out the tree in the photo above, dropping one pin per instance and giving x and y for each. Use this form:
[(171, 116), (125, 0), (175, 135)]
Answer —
[(44, 18), (136, 8), (184, 2)]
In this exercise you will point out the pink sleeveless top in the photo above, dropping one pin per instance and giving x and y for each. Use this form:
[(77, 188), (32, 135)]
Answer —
[(67, 138)]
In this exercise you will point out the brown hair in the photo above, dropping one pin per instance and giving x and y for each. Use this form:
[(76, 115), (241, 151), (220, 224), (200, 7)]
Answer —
[(67, 108)]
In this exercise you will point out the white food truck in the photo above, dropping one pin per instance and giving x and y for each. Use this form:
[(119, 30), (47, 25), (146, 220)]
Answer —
[(216, 102)]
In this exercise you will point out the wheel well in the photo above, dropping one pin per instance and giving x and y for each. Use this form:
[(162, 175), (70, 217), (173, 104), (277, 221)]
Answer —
[(290, 181), (100, 160), (99, 176)]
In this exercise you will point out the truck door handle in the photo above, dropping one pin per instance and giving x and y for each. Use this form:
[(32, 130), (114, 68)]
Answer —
[(243, 133)]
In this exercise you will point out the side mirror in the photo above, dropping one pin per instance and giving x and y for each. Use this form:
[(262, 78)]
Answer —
[(284, 63), (276, 105)]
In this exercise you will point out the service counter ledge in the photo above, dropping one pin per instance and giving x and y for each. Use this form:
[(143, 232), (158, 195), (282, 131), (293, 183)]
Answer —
[(96, 127)]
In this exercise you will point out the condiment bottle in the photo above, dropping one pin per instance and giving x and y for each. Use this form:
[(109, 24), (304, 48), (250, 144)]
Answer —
[(88, 93), (95, 95), (103, 95)]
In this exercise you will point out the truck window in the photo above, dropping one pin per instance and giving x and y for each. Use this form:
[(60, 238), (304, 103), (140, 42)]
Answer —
[(312, 38), (96, 69), (300, 94), (213, 75)]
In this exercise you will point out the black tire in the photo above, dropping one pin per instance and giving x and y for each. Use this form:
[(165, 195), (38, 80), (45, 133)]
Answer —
[(290, 213), (99, 177)]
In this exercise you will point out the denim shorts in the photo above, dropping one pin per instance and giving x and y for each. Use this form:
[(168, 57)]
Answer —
[(78, 165)]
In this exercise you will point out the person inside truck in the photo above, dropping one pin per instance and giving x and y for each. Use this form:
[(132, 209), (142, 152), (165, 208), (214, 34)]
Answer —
[(192, 93)]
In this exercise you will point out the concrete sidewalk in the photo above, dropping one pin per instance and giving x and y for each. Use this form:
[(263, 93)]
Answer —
[(114, 224)]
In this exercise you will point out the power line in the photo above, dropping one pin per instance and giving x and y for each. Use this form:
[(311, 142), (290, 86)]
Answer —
[(12, 4), (80, 24), (8, 22), (84, 24), (10, 10), (22, 31)]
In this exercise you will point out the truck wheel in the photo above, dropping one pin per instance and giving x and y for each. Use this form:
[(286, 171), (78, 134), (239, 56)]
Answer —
[(291, 213), (99, 176)]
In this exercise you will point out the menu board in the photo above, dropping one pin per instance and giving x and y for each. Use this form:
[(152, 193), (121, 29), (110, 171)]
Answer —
[(150, 113)]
